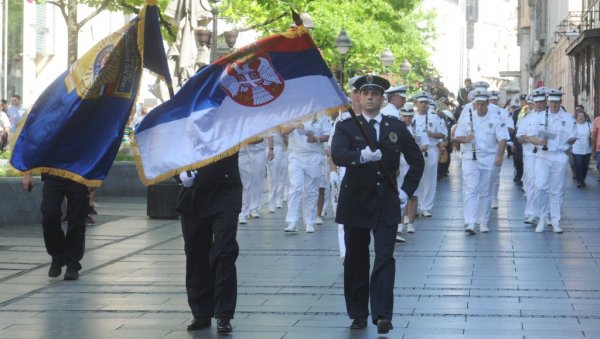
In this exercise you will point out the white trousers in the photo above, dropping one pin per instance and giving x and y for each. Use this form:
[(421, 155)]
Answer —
[(529, 184), (477, 184), (550, 181), (277, 175), (428, 184), (325, 182), (252, 164), (304, 173)]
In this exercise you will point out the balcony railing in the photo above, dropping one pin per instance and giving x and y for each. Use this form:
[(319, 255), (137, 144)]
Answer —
[(590, 18)]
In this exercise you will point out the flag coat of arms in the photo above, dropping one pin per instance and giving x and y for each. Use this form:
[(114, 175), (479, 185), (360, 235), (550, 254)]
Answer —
[(276, 80), (75, 128)]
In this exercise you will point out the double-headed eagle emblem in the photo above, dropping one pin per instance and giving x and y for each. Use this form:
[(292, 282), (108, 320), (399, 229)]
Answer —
[(252, 83)]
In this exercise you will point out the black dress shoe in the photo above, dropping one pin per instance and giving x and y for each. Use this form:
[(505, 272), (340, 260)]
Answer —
[(384, 326), (55, 270), (223, 325), (71, 274), (358, 323), (198, 324)]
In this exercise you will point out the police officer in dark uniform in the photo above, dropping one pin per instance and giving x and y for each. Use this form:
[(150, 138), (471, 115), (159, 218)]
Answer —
[(209, 203), (368, 201)]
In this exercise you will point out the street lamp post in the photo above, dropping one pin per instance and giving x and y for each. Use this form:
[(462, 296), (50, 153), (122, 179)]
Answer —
[(342, 45), (216, 7), (386, 58), (405, 67)]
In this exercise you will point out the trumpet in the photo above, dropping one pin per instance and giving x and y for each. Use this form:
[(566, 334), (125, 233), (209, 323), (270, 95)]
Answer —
[(473, 146)]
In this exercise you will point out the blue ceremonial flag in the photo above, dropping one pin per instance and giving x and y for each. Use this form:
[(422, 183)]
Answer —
[(75, 128), (276, 80)]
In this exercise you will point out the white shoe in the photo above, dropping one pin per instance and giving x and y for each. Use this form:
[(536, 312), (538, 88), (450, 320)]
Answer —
[(426, 214), (279, 206), (471, 229), (556, 229), (310, 228), (540, 226), (323, 214), (254, 214), (410, 228), (242, 220), (291, 228), (483, 228), (319, 221), (406, 220), (529, 220), (399, 238)]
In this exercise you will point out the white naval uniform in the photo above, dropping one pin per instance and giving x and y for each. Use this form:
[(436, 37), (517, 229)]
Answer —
[(428, 184), (252, 164), (340, 171), (304, 171), (551, 165), (391, 110), (277, 173), (509, 123), (477, 174), (523, 126), (422, 140)]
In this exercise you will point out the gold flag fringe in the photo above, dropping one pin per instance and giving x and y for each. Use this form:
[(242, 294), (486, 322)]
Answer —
[(151, 181)]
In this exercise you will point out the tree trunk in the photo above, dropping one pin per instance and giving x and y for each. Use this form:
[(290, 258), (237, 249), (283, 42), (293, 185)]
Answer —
[(72, 32)]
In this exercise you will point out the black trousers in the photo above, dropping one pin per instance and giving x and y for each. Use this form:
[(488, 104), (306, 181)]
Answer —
[(211, 250), (65, 248), (518, 160), (357, 285)]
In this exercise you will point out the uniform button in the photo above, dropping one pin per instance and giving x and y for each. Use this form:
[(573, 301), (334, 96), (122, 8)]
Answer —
[(226, 175), (378, 184), (353, 163), (378, 173)]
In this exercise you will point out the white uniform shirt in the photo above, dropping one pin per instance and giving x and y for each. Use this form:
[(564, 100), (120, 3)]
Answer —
[(391, 110), (489, 130), (504, 115), (560, 128), (432, 123), (4, 122), (523, 128), (317, 127), (583, 145)]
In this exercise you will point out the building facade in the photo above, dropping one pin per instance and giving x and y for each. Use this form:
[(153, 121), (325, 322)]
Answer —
[(584, 54), (546, 30)]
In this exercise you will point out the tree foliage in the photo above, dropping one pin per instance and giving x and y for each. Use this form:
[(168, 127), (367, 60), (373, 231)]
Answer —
[(371, 25)]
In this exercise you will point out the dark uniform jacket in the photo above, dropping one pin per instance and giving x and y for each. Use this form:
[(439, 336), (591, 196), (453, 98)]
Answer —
[(367, 198), (217, 188)]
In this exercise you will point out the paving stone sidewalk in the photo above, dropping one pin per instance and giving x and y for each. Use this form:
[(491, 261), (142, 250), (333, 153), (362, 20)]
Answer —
[(509, 283)]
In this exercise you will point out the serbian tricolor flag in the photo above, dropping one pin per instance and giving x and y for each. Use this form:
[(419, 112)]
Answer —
[(276, 80)]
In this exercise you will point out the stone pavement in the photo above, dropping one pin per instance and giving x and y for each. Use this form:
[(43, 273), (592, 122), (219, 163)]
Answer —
[(509, 283)]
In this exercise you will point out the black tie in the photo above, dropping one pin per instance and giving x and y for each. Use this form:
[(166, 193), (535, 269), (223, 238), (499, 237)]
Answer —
[(372, 130)]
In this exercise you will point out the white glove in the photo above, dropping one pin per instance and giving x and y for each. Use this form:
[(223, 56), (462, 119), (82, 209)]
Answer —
[(187, 181), (403, 199), (334, 178), (366, 155)]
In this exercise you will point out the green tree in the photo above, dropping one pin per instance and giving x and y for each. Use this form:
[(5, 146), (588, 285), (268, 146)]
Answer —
[(371, 25)]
